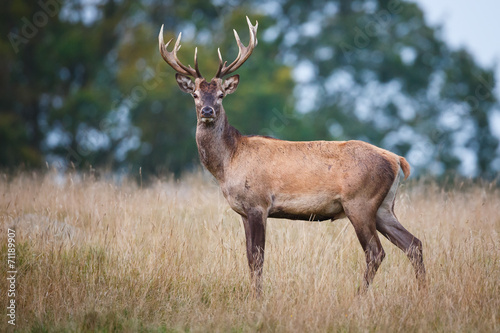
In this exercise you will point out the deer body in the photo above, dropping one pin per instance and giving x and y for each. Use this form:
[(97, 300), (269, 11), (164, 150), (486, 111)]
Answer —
[(262, 177), (304, 180)]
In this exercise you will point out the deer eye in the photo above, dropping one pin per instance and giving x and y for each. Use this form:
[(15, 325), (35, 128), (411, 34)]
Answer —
[(195, 95), (221, 96)]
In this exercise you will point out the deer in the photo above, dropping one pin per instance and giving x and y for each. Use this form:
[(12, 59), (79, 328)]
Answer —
[(262, 177)]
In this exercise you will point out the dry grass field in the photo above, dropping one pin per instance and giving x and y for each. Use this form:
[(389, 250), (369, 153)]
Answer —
[(94, 255)]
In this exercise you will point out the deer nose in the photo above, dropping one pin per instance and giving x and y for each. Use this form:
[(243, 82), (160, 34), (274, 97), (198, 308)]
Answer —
[(207, 112)]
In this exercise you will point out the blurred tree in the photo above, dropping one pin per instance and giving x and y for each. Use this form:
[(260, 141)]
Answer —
[(380, 73), (58, 78), (83, 81)]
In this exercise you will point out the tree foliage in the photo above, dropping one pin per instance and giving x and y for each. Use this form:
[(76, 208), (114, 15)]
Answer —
[(385, 76), (83, 83)]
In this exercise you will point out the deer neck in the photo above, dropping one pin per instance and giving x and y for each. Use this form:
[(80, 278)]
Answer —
[(217, 144)]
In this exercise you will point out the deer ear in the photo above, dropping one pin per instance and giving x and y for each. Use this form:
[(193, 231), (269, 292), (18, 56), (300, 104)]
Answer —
[(185, 83), (230, 84)]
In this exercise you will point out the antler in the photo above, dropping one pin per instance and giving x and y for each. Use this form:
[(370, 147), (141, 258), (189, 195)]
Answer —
[(243, 53), (173, 61)]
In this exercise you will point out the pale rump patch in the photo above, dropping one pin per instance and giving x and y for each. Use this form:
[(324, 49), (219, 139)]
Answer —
[(385, 209)]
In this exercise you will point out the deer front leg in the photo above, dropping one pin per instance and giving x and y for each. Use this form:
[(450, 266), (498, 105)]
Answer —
[(255, 232)]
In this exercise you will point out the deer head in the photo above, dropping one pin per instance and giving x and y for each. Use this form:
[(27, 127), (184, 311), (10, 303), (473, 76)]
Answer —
[(208, 95)]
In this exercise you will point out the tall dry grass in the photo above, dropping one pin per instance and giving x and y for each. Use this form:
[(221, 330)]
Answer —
[(97, 256)]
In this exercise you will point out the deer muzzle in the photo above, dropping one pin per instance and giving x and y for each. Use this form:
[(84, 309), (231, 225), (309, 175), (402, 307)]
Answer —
[(207, 114)]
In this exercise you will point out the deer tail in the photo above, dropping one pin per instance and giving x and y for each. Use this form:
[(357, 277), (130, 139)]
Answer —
[(404, 166)]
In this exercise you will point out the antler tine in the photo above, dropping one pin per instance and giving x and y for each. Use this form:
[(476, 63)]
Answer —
[(172, 59), (244, 52), (221, 64), (198, 74)]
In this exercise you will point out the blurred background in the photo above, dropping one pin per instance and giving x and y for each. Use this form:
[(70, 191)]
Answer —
[(83, 84)]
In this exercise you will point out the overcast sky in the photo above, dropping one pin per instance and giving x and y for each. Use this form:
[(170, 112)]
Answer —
[(473, 24)]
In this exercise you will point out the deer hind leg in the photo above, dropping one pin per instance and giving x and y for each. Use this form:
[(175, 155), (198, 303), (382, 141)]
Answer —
[(389, 226), (365, 227), (255, 232)]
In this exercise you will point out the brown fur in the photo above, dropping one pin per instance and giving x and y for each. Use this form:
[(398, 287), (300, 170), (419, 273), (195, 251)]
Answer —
[(263, 177), (404, 166)]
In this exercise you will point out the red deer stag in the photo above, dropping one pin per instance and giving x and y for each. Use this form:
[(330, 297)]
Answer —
[(262, 177)]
